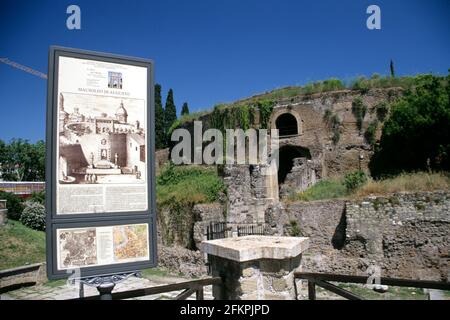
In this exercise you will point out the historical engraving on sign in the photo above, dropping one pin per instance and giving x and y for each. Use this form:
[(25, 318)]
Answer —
[(102, 137)]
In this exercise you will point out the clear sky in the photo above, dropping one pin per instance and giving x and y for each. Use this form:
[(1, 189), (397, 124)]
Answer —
[(213, 51)]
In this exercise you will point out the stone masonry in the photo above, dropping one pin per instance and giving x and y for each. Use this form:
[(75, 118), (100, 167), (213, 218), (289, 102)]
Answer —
[(255, 267), (406, 234)]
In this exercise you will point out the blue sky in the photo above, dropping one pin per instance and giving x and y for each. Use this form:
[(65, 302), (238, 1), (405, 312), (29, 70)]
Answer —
[(219, 51)]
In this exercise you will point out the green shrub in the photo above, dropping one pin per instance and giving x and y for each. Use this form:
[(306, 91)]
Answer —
[(359, 110), (14, 204), (354, 180), (294, 229), (38, 197), (33, 216), (371, 132)]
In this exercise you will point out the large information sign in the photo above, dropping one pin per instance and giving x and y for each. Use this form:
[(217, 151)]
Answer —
[(100, 167)]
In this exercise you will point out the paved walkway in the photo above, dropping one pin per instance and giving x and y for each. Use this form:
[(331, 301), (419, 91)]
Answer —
[(63, 291)]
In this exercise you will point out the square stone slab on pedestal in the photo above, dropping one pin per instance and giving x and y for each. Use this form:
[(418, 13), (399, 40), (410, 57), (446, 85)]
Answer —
[(249, 248)]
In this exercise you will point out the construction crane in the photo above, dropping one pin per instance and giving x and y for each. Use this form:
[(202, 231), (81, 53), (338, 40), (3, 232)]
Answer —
[(23, 68)]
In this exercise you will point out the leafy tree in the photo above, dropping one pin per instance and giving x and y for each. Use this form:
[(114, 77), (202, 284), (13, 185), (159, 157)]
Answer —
[(22, 161), (417, 134), (160, 133), (185, 109), (170, 112)]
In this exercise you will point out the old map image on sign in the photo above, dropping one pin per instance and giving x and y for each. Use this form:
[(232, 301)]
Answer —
[(101, 163), (86, 247)]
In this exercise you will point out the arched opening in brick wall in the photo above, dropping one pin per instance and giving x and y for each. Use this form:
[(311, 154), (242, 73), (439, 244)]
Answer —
[(287, 154), (287, 125)]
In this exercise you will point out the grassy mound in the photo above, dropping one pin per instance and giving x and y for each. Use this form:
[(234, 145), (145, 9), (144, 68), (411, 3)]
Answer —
[(20, 245)]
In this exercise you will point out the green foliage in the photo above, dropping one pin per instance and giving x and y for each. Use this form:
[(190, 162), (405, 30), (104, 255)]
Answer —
[(188, 185), (33, 216), (359, 110), (382, 111), (240, 115), (38, 197), (160, 131), (170, 113), (185, 109), (324, 189), (354, 180), (14, 204), (265, 108), (361, 84), (294, 229), (21, 160), (416, 135), (371, 132)]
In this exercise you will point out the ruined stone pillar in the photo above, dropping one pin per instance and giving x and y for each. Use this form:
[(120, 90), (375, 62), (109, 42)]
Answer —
[(255, 267)]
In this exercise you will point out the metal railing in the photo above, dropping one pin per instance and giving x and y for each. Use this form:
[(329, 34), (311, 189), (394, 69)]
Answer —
[(323, 280), (216, 230), (248, 230), (188, 287)]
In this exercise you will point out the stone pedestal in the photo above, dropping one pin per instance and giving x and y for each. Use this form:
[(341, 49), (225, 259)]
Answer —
[(255, 267)]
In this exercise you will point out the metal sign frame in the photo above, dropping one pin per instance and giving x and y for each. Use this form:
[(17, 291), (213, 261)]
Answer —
[(53, 220)]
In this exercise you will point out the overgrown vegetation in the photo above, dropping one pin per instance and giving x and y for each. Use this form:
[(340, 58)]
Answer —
[(359, 110), (178, 189), (370, 134), (416, 135), (324, 189), (354, 180), (406, 182), (357, 185), (188, 184), (294, 229), (14, 204)]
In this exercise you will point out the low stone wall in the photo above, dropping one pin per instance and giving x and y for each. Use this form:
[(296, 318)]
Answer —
[(407, 234), (181, 260), (186, 226), (11, 279)]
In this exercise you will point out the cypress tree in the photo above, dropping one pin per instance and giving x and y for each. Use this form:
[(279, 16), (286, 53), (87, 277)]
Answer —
[(392, 69), (160, 132), (170, 113), (185, 109)]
